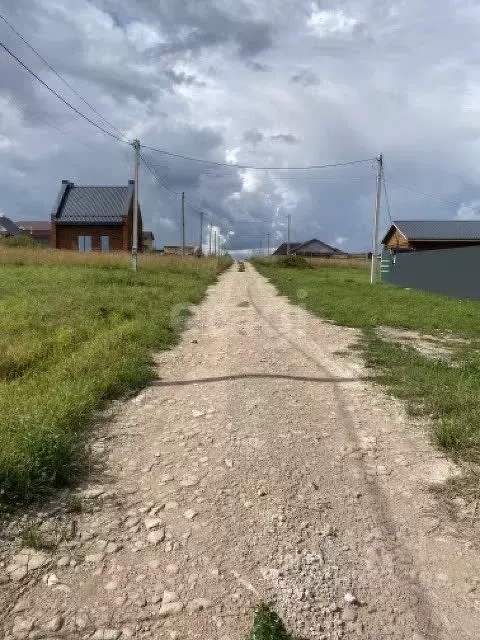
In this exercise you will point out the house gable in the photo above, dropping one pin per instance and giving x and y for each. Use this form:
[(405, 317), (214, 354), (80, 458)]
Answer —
[(316, 247)]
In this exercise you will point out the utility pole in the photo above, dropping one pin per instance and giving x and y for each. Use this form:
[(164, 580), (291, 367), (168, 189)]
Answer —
[(376, 218), (268, 245), (289, 220), (136, 148), (201, 233), (210, 239), (183, 223), (215, 243)]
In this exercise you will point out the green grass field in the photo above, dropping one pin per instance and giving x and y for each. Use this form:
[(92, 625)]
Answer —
[(447, 390), (75, 331)]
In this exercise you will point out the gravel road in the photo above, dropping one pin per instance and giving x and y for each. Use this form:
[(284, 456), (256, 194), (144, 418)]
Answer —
[(262, 465)]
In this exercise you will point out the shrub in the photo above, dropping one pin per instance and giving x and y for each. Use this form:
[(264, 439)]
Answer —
[(293, 262)]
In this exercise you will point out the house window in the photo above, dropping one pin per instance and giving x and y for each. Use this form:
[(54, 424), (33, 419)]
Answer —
[(84, 243), (105, 243)]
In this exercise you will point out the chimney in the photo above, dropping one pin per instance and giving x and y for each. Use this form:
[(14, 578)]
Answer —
[(131, 182)]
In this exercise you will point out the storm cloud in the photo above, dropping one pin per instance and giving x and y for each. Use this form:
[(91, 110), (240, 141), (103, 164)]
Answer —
[(283, 83)]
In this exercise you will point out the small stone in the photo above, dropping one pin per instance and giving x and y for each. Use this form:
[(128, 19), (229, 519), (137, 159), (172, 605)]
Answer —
[(80, 623), (189, 481), (228, 463), (52, 580), (94, 558), (154, 564), (103, 633), (113, 547), (171, 569), (190, 514), (169, 596), (198, 605), (152, 523), (170, 609), (166, 478), (198, 414), (261, 493), (350, 598), (64, 561), (55, 624), (110, 586), (92, 493), (127, 632), (155, 537), (29, 559), (170, 506)]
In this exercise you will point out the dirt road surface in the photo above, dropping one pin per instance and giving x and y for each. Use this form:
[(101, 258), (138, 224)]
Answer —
[(260, 466)]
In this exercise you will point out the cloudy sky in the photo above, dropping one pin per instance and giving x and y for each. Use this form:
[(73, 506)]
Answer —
[(252, 82)]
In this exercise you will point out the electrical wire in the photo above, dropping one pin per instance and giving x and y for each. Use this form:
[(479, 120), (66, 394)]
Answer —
[(253, 167), (68, 104), (60, 77), (387, 199)]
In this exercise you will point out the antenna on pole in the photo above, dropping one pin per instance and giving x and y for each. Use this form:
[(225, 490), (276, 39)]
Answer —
[(376, 218)]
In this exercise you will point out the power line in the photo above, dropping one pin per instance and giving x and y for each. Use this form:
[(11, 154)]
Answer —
[(60, 77), (387, 199), (253, 167), (77, 111)]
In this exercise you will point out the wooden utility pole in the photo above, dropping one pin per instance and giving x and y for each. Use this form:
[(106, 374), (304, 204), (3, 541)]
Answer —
[(183, 223), (376, 218), (136, 148), (210, 239), (289, 220), (215, 242), (268, 244), (201, 233)]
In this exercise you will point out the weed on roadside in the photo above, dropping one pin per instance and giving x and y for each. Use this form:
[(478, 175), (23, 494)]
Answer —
[(32, 537), (267, 625)]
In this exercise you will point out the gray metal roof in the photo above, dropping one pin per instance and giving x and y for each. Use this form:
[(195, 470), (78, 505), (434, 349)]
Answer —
[(93, 205), (439, 229), (8, 227), (282, 249)]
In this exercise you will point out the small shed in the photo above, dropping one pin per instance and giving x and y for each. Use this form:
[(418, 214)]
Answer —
[(423, 235)]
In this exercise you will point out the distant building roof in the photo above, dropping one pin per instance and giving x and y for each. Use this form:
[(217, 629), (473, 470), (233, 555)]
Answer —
[(92, 205), (282, 249), (311, 247), (441, 230), (8, 227), (317, 248), (34, 225)]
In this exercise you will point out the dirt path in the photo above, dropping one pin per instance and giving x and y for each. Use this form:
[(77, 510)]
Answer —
[(260, 466)]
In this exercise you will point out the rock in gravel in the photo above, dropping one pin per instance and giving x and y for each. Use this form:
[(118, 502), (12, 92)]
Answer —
[(64, 561), (166, 478), (103, 633), (52, 580), (171, 569), (155, 537), (349, 613), (28, 559), (170, 609), (190, 514), (92, 493), (198, 414), (350, 598), (22, 627), (152, 523), (170, 506), (169, 596), (55, 624), (189, 481), (113, 547), (198, 605), (94, 558)]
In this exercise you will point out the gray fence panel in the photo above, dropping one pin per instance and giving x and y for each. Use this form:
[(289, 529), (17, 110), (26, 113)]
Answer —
[(451, 272)]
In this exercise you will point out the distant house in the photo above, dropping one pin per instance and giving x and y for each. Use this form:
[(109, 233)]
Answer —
[(175, 249), (417, 235), (147, 240), (8, 228), (39, 230), (91, 218), (312, 249)]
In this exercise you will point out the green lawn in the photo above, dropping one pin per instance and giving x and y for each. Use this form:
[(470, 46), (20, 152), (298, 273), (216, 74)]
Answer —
[(76, 331), (445, 390)]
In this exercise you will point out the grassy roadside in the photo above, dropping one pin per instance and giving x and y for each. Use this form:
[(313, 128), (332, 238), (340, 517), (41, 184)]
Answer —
[(75, 331), (446, 390)]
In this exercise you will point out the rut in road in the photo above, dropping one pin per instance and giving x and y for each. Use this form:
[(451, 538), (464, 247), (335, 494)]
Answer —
[(262, 465)]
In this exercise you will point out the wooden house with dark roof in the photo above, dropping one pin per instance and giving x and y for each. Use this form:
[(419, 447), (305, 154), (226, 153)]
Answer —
[(94, 218), (424, 235)]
